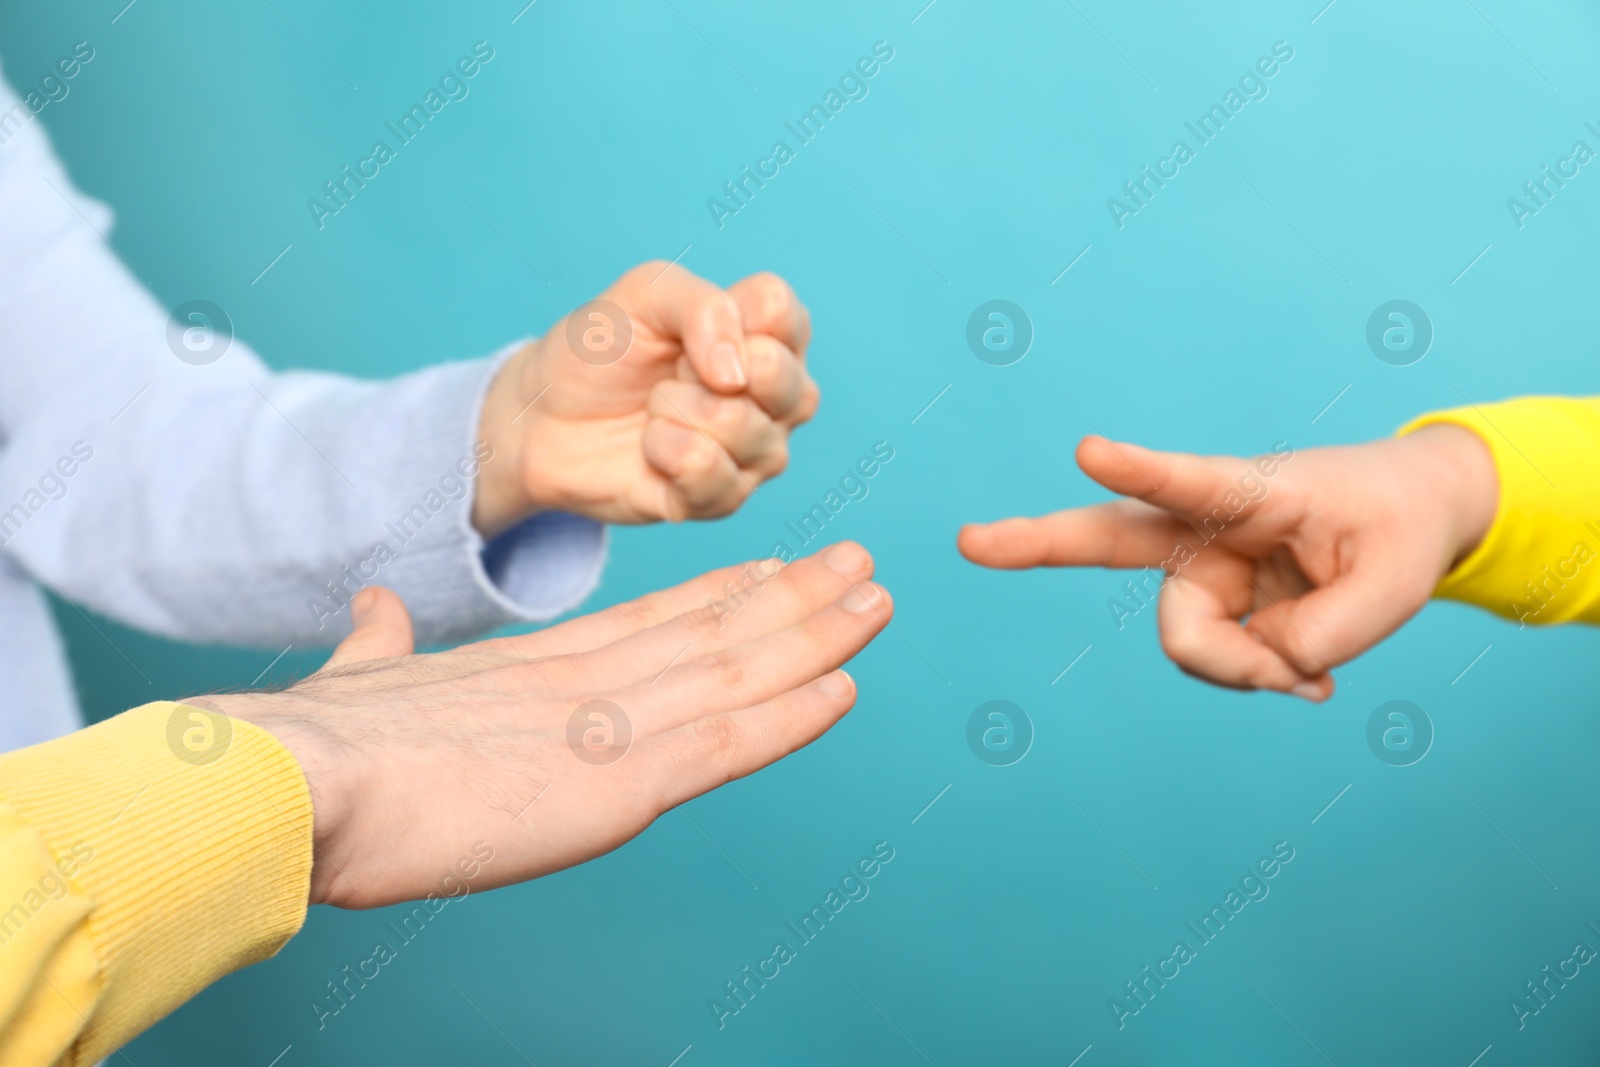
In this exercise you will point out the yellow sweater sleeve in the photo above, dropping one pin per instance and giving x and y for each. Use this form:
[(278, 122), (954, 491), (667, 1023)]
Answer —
[(141, 859), (1538, 563)]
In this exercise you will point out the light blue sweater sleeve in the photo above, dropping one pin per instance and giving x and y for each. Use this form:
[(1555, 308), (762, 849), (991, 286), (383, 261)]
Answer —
[(224, 502)]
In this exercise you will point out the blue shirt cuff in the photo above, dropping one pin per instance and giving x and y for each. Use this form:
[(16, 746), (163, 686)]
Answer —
[(546, 565)]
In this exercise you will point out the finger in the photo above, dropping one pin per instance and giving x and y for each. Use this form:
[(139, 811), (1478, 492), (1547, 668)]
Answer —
[(1123, 533), (1200, 632), (1187, 485), (767, 304), (779, 382), (697, 757), (785, 390), (737, 426), (759, 670), (675, 304), (620, 620), (381, 629), (1335, 623), (708, 479), (765, 601)]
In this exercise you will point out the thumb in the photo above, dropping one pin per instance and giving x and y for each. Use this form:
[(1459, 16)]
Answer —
[(1336, 622), (382, 629)]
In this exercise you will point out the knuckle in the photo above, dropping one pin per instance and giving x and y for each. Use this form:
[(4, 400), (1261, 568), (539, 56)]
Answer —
[(719, 738), (810, 400), (777, 459), (638, 614), (728, 417), (726, 670), (699, 460), (704, 622), (769, 292)]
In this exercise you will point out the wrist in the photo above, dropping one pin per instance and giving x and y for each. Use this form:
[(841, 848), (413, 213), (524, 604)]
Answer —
[(501, 497), (1457, 468), (330, 768)]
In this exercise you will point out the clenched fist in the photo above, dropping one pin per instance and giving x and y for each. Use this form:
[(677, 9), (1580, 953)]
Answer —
[(665, 398)]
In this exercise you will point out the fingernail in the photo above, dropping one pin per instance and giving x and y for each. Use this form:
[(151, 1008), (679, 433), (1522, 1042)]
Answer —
[(847, 558), (863, 598), (838, 685), (768, 568), (360, 604), (725, 364), (1308, 691)]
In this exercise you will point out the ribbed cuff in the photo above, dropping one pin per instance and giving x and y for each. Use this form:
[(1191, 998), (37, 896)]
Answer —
[(1537, 562), (192, 833), (451, 580)]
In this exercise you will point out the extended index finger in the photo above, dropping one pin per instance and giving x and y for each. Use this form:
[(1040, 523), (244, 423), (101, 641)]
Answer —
[(1121, 534)]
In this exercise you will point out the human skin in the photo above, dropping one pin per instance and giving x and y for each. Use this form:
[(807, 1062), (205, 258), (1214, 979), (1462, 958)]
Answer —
[(1346, 545), (411, 760), (695, 414)]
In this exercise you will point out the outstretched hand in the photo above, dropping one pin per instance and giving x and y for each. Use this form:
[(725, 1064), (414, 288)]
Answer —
[(666, 398), (561, 745), (1276, 570)]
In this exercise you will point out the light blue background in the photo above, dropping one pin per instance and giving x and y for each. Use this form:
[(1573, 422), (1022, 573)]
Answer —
[(987, 149)]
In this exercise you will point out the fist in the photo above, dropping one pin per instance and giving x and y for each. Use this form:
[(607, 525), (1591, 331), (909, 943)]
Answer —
[(665, 398)]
